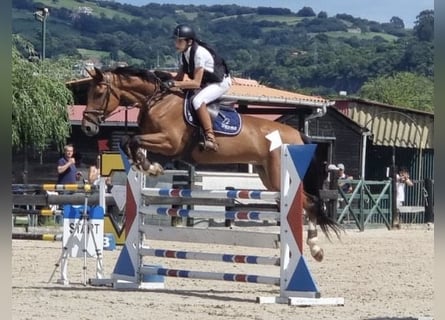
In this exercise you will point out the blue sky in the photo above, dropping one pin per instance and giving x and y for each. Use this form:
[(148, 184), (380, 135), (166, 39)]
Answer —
[(377, 10)]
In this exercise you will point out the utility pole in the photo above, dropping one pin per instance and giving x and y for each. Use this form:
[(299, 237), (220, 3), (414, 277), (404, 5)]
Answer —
[(41, 15)]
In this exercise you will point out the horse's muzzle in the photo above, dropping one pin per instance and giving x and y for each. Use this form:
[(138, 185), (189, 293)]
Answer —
[(89, 128)]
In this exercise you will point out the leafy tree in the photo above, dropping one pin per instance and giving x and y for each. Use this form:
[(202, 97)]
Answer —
[(418, 58), (306, 12), (424, 25), (39, 102), (322, 15), (402, 89), (397, 22)]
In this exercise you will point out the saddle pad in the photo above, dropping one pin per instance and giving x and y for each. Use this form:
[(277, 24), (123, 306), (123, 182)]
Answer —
[(227, 122)]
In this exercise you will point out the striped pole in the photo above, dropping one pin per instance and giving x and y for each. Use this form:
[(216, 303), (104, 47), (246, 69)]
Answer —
[(212, 194), (53, 187), (33, 236), (40, 212), (236, 277), (201, 214), (205, 256)]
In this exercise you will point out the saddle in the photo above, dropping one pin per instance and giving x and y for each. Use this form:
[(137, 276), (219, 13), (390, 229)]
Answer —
[(224, 117)]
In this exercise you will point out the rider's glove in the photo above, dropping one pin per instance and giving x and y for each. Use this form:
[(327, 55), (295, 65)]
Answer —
[(168, 84)]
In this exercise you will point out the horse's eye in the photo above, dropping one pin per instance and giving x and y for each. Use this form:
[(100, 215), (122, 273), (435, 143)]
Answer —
[(98, 94)]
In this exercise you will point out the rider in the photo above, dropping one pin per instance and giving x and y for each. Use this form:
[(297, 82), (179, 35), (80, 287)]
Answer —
[(207, 71)]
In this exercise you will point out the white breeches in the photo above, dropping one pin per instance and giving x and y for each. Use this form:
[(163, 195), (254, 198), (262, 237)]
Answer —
[(211, 92)]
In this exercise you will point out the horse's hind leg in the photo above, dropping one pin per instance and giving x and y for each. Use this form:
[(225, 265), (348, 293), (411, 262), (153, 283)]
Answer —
[(263, 176), (312, 233), (271, 171)]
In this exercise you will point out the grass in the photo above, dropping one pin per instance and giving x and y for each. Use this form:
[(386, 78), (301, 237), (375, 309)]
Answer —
[(362, 36), (97, 10), (100, 55), (93, 54), (290, 20)]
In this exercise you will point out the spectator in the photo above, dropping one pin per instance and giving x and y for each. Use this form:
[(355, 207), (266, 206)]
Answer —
[(402, 179), (66, 167), (94, 175), (342, 176), (94, 172)]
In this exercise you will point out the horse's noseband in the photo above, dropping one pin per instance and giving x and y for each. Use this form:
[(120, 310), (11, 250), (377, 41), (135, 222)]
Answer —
[(98, 118), (99, 113)]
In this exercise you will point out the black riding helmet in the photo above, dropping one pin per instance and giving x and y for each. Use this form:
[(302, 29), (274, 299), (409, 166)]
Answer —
[(183, 31)]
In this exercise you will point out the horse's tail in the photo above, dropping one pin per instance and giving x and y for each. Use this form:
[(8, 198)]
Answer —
[(313, 181)]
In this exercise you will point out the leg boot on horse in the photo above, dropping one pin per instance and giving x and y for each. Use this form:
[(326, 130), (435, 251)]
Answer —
[(206, 123)]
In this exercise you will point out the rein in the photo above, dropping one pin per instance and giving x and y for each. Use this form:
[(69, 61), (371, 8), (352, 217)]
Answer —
[(158, 93)]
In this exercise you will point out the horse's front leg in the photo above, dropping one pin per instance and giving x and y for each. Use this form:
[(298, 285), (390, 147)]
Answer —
[(312, 234), (160, 143), (146, 166), (126, 147), (131, 146)]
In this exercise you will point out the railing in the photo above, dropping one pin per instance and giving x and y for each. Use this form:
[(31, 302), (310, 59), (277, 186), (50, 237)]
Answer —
[(370, 202)]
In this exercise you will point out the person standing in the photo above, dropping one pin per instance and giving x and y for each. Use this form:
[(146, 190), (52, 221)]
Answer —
[(94, 175), (206, 71), (94, 172), (342, 176), (66, 167), (402, 179)]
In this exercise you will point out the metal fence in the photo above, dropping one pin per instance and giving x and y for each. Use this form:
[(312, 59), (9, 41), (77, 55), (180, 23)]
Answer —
[(370, 202)]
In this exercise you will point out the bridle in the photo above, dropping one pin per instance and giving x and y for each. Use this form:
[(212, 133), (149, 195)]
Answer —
[(98, 115)]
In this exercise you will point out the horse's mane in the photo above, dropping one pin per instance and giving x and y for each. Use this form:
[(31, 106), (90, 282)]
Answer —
[(144, 74)]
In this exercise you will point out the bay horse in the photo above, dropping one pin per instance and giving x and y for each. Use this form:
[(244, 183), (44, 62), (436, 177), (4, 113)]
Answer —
[(164, 131)]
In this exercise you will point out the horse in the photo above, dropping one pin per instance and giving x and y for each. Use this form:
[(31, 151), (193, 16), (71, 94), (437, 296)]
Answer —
[(164, 131)]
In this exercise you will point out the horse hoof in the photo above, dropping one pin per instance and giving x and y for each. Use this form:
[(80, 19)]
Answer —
[(159, 168), (317, 253), (155, 169)]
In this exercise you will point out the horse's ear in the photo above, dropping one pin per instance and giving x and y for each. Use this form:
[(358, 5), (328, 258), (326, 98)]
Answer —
[(95, 73)]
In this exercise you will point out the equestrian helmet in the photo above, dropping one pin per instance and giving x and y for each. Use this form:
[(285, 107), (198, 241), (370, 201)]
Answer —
[(183, 31)]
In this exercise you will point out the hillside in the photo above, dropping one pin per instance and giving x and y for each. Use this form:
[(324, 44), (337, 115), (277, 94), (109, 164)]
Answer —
[(305, 51)]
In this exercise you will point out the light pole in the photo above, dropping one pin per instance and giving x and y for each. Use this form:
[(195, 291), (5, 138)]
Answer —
[(41, 15)]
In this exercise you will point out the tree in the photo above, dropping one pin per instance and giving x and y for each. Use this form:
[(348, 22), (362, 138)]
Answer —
[(397, 22), (402, 89), (322, 15), (424, 25), (306, 12), (39, 102)]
